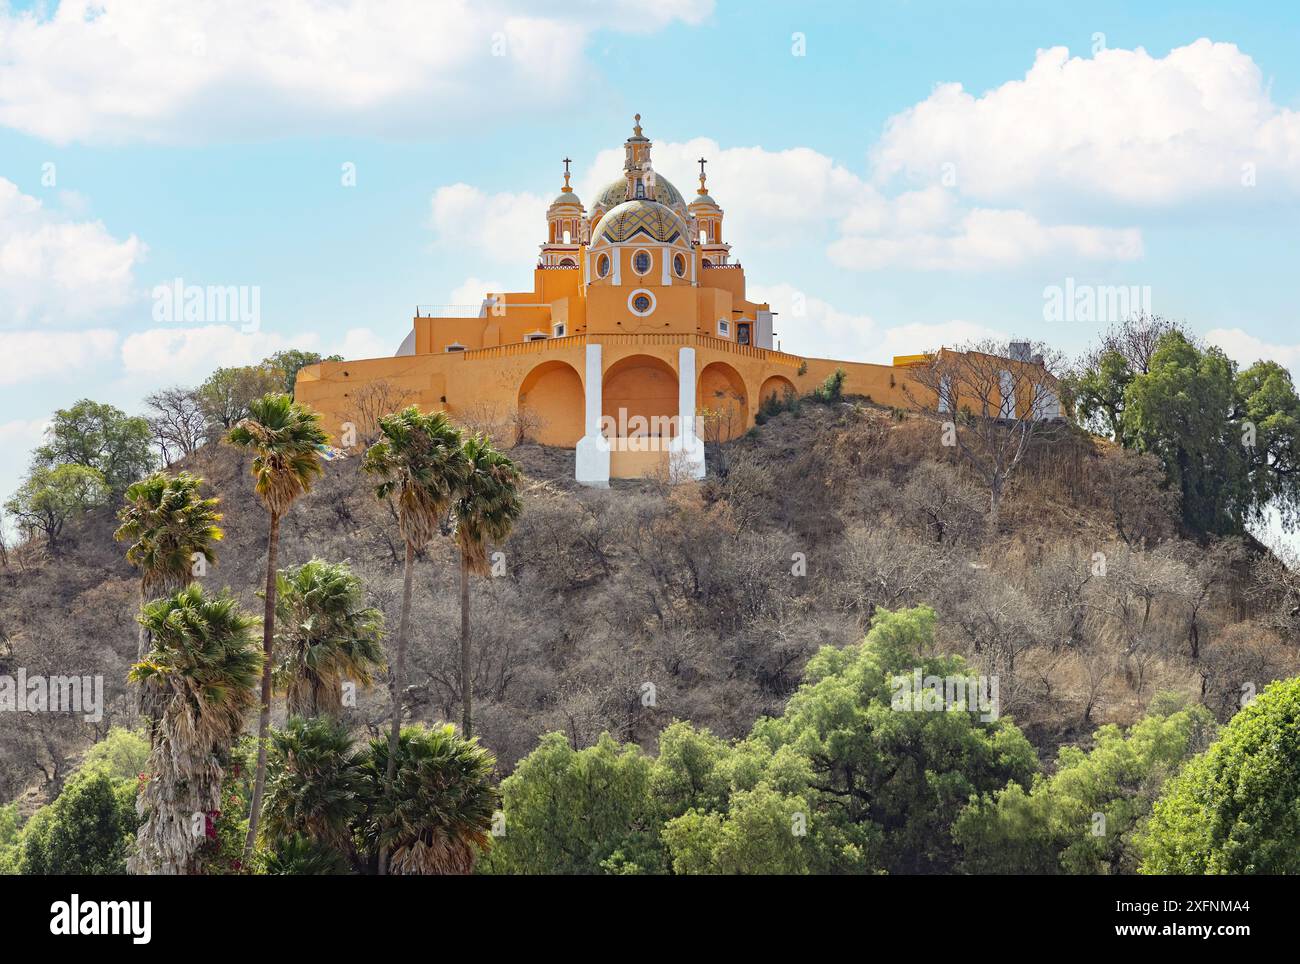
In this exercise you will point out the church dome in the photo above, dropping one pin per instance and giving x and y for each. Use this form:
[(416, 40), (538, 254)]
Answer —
[(566, 197), (615, 193), (631, 219)]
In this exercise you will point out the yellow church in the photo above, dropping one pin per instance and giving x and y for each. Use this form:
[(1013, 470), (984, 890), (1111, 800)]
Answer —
[(636, 344)]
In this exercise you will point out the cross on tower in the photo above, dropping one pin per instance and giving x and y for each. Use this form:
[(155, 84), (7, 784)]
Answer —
[(566, 174), (702, 188)]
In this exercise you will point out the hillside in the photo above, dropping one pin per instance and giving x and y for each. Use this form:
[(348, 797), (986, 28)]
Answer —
[(1084, 599)]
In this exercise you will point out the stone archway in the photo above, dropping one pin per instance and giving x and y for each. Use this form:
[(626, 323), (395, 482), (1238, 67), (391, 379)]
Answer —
[(778, 386), (640, 394), (551, 403), (721, 403)]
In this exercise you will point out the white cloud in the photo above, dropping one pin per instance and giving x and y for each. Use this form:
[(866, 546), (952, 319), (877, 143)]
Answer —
[(190, 354), (54, 268), (473, 290), (365, 343), (1246, 349), (789, 198), (812, 327), (32, 356), (174, 70), (504, 227), (1122, 126), (919, 231)]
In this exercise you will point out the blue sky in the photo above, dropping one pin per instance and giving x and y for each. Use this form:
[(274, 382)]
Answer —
[(895, 175)]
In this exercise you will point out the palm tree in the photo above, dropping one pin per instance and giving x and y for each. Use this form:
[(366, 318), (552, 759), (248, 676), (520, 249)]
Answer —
[(168, 523), (313, 786), (285, 438), (202, 668), (486, 507), (326, 633), (434, 815), (419, 463)]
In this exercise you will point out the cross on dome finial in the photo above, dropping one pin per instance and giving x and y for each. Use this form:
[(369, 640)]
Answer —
[(703, 189), (566, 189)]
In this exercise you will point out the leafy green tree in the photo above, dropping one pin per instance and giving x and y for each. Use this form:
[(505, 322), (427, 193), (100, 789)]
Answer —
[(1228, 441), (88, 829), (314, 787), (1082, 819), (434, 816), (168, 522), (759, 834), (291, 361), (326, 634), (226, 396), (420, 465), (1179, 411), (485, 508), (584, 811), (1235, 809), (52, 496), (204, 665), (285, 439), (887, 784), (100, 437)]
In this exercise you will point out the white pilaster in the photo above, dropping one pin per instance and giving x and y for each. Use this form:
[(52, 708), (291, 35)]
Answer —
[(591, 460), (686, 450)]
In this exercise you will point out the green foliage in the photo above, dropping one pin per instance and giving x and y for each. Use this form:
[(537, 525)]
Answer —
[(51, 496), (579, 812), (88, 829), (1229, 441), (886, 785), (100, 437), (1054, 828), (1235, 809), (759, 834), (831, 390), (225, 398), (419, 463), (775, 404), (487, 500), (167, 520), (285, 439), (300, 856), (291, 361), (436, 817), (325, 633), (313, 786)]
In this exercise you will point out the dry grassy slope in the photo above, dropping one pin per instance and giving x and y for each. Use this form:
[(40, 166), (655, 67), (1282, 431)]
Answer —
[(605, 590)]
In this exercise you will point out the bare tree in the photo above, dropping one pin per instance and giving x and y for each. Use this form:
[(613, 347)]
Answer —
[(370, 403), (988, 406), (1134, 339), (527, 423), (177, 421)]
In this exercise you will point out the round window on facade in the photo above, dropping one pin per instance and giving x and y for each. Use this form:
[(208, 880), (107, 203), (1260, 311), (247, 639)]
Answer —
[(641, 262), (641, 302), (602, 265), (679, 265)]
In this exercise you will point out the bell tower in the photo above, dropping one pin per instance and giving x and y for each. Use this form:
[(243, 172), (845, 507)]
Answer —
[(706, 225), (566, 228)]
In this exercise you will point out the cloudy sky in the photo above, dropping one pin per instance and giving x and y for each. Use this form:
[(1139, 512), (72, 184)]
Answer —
[(895, 175)]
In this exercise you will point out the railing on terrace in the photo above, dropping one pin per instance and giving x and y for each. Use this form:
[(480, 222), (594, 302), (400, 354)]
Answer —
[(683, 340), (451, 311), (526, 347)]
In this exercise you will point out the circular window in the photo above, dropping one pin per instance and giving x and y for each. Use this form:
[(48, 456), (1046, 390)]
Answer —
[(641, 262), (641, 302), (679, 265), (602, 265)]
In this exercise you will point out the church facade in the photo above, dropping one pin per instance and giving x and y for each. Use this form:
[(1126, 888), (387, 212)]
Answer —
[(636, 344)]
